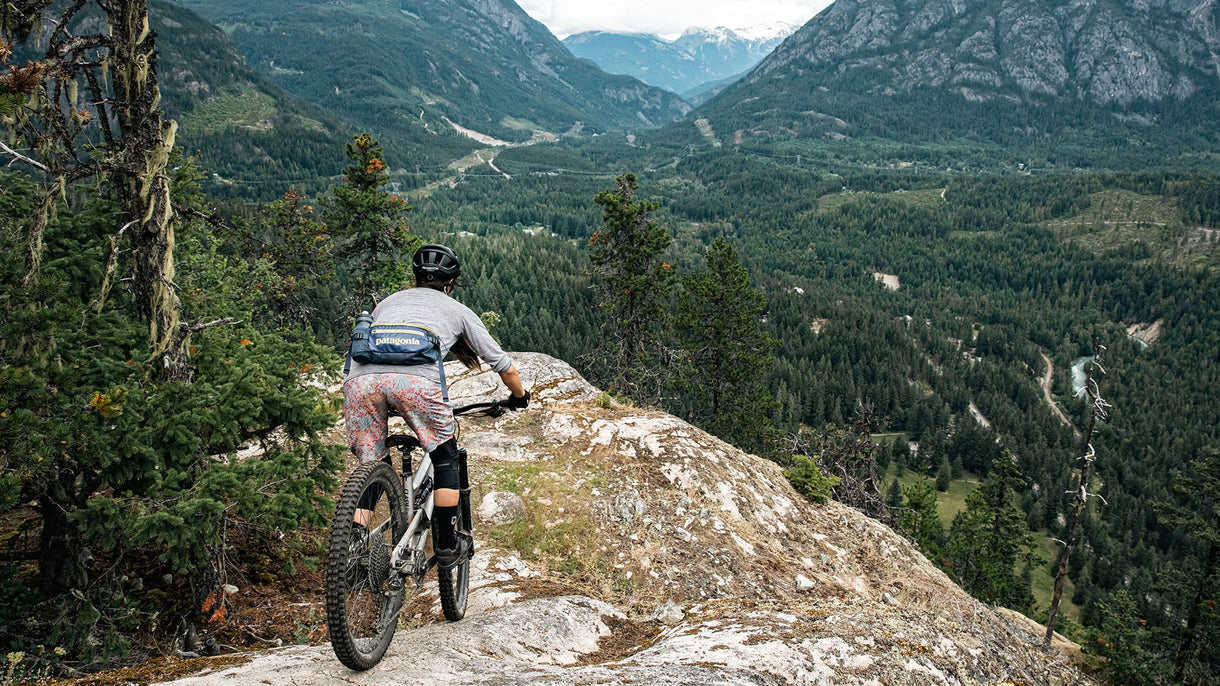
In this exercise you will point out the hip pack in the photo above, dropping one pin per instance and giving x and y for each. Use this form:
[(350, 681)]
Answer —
[(396, 343)]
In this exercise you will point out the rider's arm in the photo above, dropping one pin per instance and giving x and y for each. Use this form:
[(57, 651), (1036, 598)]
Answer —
[(513, 380)]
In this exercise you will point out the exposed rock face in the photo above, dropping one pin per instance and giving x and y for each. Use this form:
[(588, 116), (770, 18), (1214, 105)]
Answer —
[(664, 523), (1100, 52)]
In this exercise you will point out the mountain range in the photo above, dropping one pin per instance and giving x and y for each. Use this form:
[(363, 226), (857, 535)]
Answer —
[(284, 83), (425, 65), (1001, 71), (688, 65)]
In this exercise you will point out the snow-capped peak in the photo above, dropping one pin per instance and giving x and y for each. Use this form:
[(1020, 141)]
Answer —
[(720, 34), (765, 32)]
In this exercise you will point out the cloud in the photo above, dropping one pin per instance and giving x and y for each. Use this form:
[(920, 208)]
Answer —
[(665, 17)]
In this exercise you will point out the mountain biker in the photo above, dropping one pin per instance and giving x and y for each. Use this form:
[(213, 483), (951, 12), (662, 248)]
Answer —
[(371, 391)]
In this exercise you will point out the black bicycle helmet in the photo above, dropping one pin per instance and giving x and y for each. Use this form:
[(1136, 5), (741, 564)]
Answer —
[(435, 263)]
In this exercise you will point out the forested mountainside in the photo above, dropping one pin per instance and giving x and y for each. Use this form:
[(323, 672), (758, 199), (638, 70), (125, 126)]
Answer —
[(248, 130), (687, 65), (1086, 75), (484, 64)]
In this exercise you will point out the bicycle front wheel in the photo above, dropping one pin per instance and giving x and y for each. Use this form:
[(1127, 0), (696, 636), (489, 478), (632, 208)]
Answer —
[(453, 585), (363, 593)]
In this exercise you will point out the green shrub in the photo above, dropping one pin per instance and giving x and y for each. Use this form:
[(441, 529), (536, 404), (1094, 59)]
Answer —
[(809, 480)]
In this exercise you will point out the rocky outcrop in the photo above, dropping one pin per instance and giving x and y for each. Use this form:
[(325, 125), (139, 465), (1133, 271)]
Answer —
[(652, 552), (1100, 52)]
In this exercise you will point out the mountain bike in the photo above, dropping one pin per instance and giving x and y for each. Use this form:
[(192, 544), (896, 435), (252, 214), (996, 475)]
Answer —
[(370, 563)]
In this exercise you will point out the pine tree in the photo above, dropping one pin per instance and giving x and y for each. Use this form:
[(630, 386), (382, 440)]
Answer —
[(122, 138), (727, 355), (1123, 639), (944, 475), (989, 540), (633, 285), (116, 461), (882, 459), (1196, 657), (296, 249), (899, 449), (900, 463), (893, 495), (365, 221), (918, 519)]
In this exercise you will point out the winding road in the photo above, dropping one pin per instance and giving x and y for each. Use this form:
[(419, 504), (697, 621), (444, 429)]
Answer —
[(1046, 393)]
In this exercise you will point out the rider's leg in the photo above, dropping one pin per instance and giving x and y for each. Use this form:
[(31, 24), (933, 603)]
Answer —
[(445, 497), (366, 412), (423, 406)]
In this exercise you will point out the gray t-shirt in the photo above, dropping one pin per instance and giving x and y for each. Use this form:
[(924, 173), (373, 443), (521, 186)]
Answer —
[(447, 317)]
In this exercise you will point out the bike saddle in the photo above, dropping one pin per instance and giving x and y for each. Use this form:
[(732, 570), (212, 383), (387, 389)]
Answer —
[(404, 441)]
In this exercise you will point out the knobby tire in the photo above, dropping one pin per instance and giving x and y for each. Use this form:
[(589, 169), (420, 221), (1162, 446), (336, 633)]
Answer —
[(454, 585), (363, 594)]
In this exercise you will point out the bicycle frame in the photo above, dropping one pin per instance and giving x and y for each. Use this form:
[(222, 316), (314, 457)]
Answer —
[(418, 483)]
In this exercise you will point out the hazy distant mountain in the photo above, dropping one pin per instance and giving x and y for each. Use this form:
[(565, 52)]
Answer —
[(484, 64), (688, 64), (926, 68)]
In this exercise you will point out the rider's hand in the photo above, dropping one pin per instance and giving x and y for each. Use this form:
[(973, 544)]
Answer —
[(515, 403)]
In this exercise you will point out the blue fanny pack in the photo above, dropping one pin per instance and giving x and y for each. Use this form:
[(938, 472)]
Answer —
[(396, 343)]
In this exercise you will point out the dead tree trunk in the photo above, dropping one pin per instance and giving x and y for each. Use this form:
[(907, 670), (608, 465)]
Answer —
[(134, 160), (143, 182), (1097, 411)]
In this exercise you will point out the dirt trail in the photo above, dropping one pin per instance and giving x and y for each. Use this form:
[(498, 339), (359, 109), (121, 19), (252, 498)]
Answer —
[(1046, 393)]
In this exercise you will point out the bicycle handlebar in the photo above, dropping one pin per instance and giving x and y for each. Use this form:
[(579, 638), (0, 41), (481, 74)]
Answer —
[(494, 408)]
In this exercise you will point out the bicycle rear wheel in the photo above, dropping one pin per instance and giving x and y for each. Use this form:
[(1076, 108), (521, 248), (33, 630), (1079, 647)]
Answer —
[(363, 594), (454, 584)]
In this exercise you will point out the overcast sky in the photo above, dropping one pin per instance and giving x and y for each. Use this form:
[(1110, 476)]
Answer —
[(666, 17)]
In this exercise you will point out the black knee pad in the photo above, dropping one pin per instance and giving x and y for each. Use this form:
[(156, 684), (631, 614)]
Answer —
[(445, 465)]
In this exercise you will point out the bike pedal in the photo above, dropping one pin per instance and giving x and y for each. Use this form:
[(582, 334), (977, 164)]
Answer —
[(469, 538)]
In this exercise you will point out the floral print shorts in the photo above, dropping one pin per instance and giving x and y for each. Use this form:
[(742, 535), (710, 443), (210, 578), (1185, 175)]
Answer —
[(368, 399)]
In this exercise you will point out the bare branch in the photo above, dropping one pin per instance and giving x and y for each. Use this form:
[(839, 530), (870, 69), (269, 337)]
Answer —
[(61, 26), (200, 326), (18, 156), (99, 103), (111, 264), (79, 44), (209, 218)]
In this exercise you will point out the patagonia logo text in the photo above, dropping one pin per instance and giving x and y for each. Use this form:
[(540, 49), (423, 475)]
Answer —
[(400, 341)]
